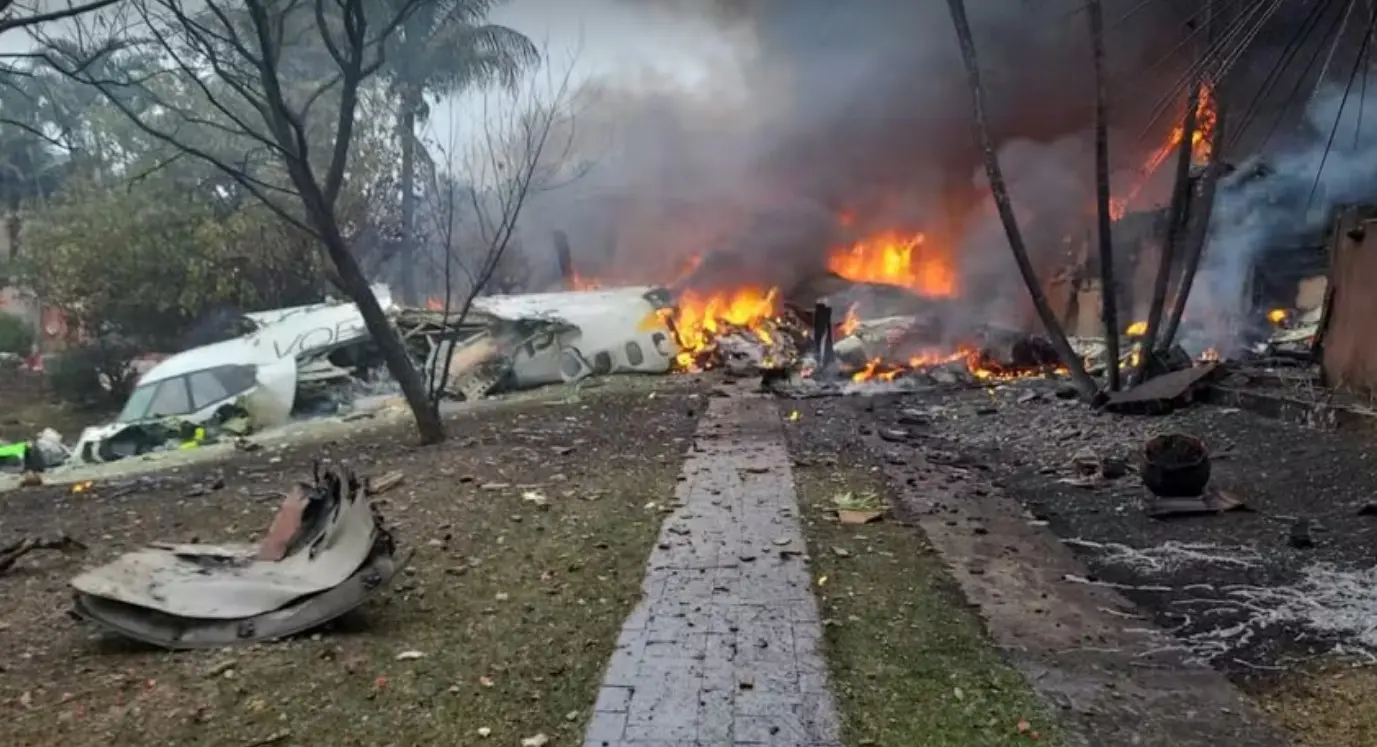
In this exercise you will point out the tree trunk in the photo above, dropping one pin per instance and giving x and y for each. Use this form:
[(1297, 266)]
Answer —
[(407, 254), (1086, 385), (1198, 230), (1180, 199), (426, 412), (1109, 289)]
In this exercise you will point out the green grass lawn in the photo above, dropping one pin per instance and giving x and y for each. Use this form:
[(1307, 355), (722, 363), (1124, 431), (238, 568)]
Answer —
[(909, 661)]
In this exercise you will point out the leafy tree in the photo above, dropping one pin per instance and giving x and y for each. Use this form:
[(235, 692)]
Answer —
[(15, 335), (441, 48), (146, 261), (269, 95)]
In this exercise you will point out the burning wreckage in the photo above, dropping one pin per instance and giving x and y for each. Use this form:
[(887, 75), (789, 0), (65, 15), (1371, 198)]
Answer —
[(319, 359)]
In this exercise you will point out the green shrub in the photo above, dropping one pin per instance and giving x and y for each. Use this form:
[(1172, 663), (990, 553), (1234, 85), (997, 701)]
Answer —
[(95, 375), (16, 336)]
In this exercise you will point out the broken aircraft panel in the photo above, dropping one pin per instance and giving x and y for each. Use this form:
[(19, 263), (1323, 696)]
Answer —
[(523, 341), (325, 552)]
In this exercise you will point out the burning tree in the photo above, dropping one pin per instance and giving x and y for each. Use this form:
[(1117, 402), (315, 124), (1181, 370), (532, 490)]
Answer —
[(267, 93)]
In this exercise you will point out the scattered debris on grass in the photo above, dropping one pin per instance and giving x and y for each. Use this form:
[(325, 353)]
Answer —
[(11, 553), (908, 663), (859, 508), (508, 670)]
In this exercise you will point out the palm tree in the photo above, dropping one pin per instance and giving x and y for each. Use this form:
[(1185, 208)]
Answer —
[(30, 167), (442, 48), (1109, 289)]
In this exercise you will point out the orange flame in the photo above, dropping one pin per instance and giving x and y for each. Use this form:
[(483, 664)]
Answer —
[(979, 367), (698, 319), (897, 259), (1202, 147), (850, 323), (579, 282)]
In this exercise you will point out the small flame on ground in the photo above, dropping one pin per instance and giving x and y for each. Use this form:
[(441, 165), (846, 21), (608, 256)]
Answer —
[(978, 366), (894, 258), (1278, 316), (579, 282), (851, 323), (1136, 329)]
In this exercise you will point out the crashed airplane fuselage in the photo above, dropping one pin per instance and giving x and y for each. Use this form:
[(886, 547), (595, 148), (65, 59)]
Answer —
[(256, 377), (503, 342)]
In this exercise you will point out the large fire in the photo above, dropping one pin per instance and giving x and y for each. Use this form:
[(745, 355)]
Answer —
[(701, 319), (894, 258)]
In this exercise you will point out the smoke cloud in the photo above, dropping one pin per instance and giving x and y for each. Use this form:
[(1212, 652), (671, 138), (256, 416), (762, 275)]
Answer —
[(1285, 197), (803, 109)]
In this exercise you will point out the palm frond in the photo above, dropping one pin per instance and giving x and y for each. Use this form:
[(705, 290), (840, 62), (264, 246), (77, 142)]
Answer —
[(459, 56)]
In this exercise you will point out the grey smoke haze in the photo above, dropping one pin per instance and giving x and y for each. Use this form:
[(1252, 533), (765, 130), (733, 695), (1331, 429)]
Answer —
[(1252, 214), (812, 106)]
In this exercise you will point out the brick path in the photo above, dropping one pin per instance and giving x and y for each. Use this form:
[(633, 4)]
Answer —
[(725, 647)]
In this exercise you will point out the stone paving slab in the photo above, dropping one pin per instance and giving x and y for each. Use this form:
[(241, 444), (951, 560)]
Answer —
[(725, 647)]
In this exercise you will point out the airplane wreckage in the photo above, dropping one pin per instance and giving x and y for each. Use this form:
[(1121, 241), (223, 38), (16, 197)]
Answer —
[(326, 551), (291, 362)]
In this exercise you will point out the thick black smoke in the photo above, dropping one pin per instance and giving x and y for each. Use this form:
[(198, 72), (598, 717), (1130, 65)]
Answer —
[(859, 106)]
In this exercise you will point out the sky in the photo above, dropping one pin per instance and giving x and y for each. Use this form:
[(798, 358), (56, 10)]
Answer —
[(613, 42)]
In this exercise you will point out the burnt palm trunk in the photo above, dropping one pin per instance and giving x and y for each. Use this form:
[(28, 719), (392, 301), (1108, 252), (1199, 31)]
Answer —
[(1199, 231), (1176, 213), (1109, 289), (1084, 384)]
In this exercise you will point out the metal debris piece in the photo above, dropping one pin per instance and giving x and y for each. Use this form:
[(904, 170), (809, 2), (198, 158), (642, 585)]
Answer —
[(1214, 502), (1162, 394), (326, 552)]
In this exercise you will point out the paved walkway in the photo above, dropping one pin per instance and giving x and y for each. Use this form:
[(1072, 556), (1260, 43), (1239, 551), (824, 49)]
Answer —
[(725, 647)]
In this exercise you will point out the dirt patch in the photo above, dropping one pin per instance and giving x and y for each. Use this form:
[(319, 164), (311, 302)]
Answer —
[(504, 621), (908, 660)]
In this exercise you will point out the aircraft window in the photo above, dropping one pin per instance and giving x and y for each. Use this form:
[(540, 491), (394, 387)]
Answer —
[(137, 404), (171, 398), (236, 379), (207, 389)]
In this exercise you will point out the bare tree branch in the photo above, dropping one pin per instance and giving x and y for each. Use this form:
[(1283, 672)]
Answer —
[(513, 158), (14, 16), (245, 76)]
